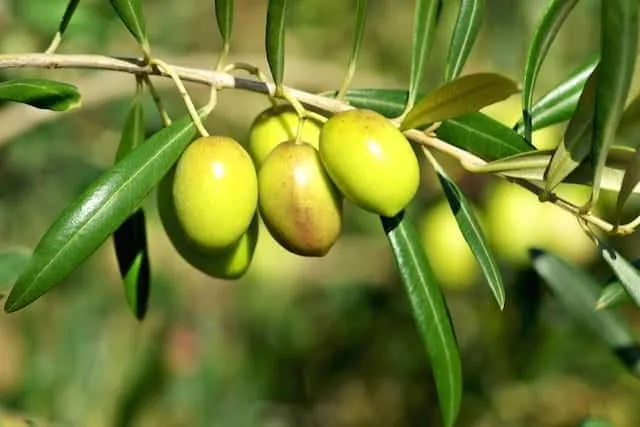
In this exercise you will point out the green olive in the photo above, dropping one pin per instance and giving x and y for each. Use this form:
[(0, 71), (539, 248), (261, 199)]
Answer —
[(215, 191), (227, 263), (299, 204), (370, 161), (276, 125)]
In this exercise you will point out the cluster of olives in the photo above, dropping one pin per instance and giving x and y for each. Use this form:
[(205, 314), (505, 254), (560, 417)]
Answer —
[(211, 200)]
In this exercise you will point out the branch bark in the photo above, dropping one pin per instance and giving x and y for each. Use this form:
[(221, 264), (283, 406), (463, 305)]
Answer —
[(227, 81)]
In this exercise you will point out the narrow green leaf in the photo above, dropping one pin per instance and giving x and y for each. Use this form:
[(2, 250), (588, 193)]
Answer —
[(133, 130), (361, 14), (482, 136), (558, 105), (613, 294), (630, 181), (130, 239), (424, 24), (130, 13), (274, 38), (39, 93), (472, 232), (388, 102), (224, 17), (465, 33), (531, 166), (576, 143), (464, 95), (578, 292), (552, 20), (618, 43), (430, 312), (88, 221), (628, 132), (628, 275), (11, 265), (68, 14)]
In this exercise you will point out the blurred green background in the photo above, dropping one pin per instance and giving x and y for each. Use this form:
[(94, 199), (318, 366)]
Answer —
[(297, 342)]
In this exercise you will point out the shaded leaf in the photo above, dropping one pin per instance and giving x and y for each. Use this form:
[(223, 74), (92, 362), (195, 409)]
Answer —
[(576, 143), (482, 136), (40, 93), (130, 13), (130, 239), (133, 129), (472, 232), (578, 292), (274, 38), (465, 33), (430, 312), (531, 166), (88, 221), (613, 294), (618, 43), (628, 131), (424, 24), (629, 182), (224, 18), (559, 103), (68, 14), (554, 16), (628, 275), (464, 95)]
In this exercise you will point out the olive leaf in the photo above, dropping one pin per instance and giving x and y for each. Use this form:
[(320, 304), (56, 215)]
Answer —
[(430, 313), (578, 292), (68, 14), (274, 38), (552, 20), (618, 43), (130, 13), (482, 136), (614, 293), (40, 93), (130, 238), (629, 183), (626, 272), (424, 24), (88, 221), (463, 37), (224, 18), (576, 143), (531, 166), (471, 231), (560, 102), (361, 14), (458, 97)]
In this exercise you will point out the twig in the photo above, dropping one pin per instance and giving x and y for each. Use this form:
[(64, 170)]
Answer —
[(222, 80)]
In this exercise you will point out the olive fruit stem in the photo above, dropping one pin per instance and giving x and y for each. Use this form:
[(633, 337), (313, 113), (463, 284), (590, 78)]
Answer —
[(183, 93)]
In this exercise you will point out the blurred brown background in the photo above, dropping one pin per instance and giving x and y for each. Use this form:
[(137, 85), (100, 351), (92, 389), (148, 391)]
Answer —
[(298, 342)]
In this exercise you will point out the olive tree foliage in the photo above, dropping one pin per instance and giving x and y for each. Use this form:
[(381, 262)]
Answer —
[(594, 100)]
